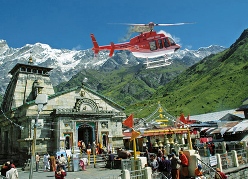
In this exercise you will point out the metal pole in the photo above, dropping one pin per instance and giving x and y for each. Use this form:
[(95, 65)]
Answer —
[(134, 149), (189, 140), (33, 147), (94, 154)]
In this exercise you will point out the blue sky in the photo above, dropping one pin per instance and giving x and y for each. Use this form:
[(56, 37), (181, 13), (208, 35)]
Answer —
[(67, 24)]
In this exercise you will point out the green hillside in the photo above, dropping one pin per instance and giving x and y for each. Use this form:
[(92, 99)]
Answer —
[(216, 83), (127, 85)]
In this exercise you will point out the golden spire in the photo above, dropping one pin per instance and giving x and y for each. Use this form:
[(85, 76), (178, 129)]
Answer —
[(30, 59)]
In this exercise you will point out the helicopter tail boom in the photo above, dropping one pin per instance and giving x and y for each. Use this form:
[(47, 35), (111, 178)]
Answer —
[(95, 44), (96, 48)]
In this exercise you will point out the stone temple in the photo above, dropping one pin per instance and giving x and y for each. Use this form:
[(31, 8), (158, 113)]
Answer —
[(69, 116)]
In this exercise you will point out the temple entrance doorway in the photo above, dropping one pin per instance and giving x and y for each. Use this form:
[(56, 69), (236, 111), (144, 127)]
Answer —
[(68, 143), (85, 134)]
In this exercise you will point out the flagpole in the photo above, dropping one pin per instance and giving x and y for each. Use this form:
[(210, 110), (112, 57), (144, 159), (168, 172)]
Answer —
[(129, 123), (134, 149)]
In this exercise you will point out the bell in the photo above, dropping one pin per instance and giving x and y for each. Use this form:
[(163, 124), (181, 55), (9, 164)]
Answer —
[(160, 144), (171, 140), (155, 145), (166, 140)]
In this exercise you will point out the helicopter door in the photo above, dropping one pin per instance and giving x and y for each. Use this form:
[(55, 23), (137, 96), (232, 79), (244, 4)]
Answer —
[(153, 45), (160, 44), (166, 44)]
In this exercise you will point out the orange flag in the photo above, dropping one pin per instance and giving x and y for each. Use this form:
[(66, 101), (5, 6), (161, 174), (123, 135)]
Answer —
[(129, 121), (135, 134)]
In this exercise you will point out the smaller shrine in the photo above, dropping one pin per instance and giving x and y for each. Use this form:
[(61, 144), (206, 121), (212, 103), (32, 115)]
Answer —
[(159, 131)]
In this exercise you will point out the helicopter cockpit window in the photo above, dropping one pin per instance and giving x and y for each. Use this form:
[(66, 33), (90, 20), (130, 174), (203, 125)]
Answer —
[(166, 44), (171, 41), (153, 45), (160, 44)]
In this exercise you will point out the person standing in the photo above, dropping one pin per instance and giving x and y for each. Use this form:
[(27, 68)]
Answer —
[(111, 160), (153, 163), (83, 146), (12, 173), (147, 155), (185, 164), (80, 145), (161, 164), (167, 171), (175, 165), (46, 163), (219, 174), (62, 161), (210, 149), (52, 163), (37, 161), (213, 149)]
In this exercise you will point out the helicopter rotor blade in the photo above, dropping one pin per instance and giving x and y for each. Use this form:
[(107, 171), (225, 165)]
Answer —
[(154, 24), (130, 24), (174, 24)]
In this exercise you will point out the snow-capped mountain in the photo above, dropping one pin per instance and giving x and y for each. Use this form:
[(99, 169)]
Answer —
[(67, 63)]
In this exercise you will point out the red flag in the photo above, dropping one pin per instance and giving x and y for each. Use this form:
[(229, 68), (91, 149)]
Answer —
[(129, 121), (187, 118), (182, 119)]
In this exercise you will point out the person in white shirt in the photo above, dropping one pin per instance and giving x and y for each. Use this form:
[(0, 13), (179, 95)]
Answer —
[(62, 161), (46, 162), (12, 173)]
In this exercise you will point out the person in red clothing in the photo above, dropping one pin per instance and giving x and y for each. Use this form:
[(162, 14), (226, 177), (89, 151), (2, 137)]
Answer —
[(4, 169), (219, 174), (185, 164), (60, 173)]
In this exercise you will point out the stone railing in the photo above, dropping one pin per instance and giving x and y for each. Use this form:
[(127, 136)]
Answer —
[(232, 163)]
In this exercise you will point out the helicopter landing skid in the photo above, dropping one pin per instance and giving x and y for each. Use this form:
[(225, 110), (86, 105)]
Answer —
[(157, 63)]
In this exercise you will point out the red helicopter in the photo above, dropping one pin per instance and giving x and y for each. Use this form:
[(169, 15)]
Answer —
[(148, 44)]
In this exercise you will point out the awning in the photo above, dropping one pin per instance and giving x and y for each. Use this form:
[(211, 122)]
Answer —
[(223, 130), (204, 129), (242, 126), (210, 130), (245, 138), (220, 130), (215, 131), (224, 127)]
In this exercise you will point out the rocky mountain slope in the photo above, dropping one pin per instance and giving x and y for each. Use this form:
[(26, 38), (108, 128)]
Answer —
[(67, 63)]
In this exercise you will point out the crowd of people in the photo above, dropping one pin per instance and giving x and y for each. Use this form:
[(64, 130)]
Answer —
[(175, 166), (9, 170), (50, 163)]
